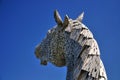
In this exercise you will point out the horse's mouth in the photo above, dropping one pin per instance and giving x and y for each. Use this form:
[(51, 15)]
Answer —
[(43, 63)]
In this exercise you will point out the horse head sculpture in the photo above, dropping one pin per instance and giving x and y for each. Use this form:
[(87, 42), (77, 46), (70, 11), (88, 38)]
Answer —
[(70, 43)]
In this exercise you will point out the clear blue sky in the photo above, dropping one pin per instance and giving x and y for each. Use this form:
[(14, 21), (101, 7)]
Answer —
[(24, 23)]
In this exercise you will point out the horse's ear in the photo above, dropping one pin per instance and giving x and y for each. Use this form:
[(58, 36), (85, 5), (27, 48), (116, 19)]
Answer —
[(80, 18), (66, 21), (57, 18)]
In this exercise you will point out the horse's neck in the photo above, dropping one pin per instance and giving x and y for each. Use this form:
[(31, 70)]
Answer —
[(84, 37)]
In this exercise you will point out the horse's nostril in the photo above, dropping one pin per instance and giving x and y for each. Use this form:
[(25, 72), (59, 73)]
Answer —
[(37, 53)]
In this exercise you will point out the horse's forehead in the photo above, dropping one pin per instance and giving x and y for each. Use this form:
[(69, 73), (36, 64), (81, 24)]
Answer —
[(54, 29)]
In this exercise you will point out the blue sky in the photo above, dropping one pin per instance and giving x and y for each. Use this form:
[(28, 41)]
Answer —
[(24, 23)]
